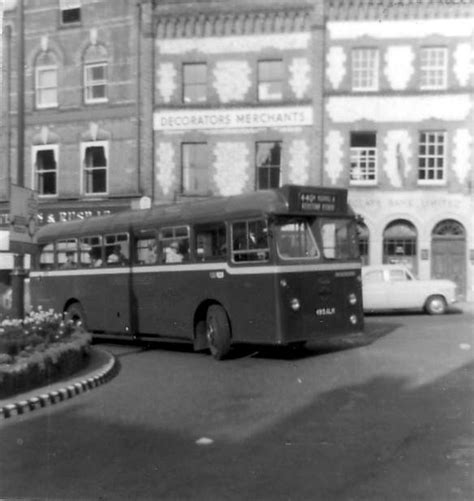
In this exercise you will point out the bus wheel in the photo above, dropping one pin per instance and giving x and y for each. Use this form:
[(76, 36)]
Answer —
[(218, 332), (75, 312)]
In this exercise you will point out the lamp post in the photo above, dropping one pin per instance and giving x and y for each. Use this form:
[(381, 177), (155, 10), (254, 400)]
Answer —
[(18, 274)]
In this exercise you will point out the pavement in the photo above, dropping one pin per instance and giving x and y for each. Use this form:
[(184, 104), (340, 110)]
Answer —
[(101, 368)]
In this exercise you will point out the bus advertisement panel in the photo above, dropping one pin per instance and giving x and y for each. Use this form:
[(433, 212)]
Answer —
[(277, 267)]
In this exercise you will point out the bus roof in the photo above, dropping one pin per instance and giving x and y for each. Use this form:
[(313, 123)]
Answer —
[(289, 199)]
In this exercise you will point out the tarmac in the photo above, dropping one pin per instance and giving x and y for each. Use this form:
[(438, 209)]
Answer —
[(101, 368)]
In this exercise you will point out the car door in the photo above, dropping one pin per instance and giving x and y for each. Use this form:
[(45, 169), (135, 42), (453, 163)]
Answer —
[(374, 290), (403, 290)]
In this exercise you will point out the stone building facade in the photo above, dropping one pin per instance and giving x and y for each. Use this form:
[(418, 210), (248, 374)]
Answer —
[(167, 100), (399, 130)]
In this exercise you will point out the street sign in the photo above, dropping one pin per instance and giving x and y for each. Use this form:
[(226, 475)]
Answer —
[(23, 215)]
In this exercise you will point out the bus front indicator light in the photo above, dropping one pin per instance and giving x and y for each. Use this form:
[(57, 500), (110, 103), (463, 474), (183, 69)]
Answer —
[(353, 319), (295, 304), (352, 299)]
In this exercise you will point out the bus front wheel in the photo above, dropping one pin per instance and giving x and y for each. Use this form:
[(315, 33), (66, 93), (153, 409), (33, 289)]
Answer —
[(218, 332), (75, 312)]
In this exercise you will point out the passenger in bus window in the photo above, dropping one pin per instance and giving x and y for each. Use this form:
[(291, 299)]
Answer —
[(69, 263), (96, 260), (172, 253), (117, 256)]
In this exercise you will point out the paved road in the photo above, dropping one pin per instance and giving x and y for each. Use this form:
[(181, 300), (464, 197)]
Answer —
[(392, 420)]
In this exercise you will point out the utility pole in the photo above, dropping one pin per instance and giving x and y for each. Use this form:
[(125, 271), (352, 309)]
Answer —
[(18, 274)]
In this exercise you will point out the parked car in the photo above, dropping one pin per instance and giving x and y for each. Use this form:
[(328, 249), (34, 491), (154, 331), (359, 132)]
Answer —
[(394, 287)]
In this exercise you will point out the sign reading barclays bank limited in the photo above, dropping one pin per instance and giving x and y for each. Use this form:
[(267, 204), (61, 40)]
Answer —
[(233, 118)]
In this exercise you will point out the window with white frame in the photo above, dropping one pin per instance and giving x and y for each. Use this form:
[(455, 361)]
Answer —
[(270, 80), (195, 172), (363, 158), (70, 11), (365, 69), (94, 157), (433, 68), (95, 82), (268, 163), (46, 89), (431, 157), (194, 82), (45, 169)]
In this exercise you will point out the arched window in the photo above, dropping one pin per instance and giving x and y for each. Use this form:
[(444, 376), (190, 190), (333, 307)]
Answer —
[(363, 233), (46, 80), (448, 228), (399, 244), (95, 75)]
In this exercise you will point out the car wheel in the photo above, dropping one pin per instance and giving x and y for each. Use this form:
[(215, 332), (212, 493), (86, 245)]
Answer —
[(436, 305), (218, 332), (75, 312)]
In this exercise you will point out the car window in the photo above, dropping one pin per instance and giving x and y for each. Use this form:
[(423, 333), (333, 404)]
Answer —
[(398, 276), (374, 276)]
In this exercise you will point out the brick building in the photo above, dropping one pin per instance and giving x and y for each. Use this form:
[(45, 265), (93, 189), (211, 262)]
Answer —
[(172, 99)]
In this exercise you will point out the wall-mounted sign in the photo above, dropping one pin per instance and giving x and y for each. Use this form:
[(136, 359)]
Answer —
[(233, 118), (23, 218), (424, 254)]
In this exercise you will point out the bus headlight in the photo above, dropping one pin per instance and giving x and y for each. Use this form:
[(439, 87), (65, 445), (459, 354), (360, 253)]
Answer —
[(295, 304), (352, 298), (353, 319)]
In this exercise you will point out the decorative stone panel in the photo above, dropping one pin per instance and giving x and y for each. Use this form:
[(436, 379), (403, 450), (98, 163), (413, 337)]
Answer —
[(298, 162), (399, 66), (462, 153), (397, 156), (334, 158), (165, 167), (463, 63), (300, 78), (336, 66), (232, 80), (166, 76), (231, 167)]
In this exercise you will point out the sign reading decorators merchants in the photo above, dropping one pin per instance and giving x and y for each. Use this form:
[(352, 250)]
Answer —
[(23, 215)]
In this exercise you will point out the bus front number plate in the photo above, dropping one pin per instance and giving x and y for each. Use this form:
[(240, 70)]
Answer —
[(325, 311)]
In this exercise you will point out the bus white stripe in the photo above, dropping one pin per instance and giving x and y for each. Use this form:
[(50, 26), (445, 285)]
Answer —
[(231, 270)]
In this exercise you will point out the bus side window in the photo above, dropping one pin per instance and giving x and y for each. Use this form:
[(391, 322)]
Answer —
[(66, 253), (174, 244), (46, 257), (250, 241), (117, 249), (90, 251), (146, 251), (210, 242)]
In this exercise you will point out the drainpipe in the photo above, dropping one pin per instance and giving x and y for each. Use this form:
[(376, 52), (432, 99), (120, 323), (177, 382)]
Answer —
[(139, 96)]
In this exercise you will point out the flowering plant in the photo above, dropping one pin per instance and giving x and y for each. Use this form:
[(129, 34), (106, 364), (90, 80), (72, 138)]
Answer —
[(36, 331)]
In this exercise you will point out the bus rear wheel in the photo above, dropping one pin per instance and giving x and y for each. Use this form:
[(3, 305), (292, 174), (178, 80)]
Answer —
[(218, 332), (75, 312)]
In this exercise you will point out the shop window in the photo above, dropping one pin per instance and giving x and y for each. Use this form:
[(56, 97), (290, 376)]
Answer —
[(363, 158), (431, 157), (95, 167), (365, 69), (400, 244), (195, 171), (268, 160), (250, 241), (433, 68), (270, 80), (210, 242), (194, 83), (70, 11), (45, 168)]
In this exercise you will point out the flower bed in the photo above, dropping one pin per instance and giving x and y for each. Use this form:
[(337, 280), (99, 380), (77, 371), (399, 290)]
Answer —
[(39, 350)]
